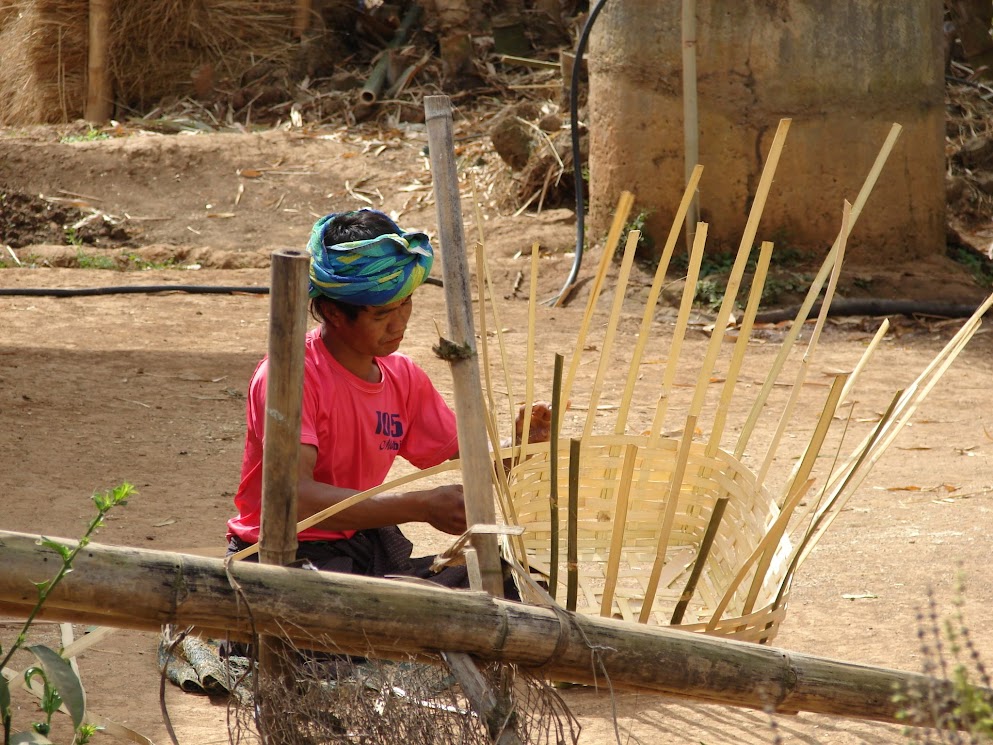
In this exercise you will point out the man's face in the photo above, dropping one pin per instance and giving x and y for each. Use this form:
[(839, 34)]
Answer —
[(378, 329)]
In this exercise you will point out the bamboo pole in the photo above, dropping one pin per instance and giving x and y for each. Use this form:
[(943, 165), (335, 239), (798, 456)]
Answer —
[(469, 406), (99, 99), (281, 448), (691, 124), (553, 475), (284, 400), (301, 20), (143, 589)]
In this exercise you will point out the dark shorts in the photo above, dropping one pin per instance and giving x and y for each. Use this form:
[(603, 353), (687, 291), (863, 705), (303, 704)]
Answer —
[(377, 552)]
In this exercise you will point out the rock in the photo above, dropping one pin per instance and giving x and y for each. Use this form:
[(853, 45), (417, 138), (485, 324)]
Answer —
[(511, 139)]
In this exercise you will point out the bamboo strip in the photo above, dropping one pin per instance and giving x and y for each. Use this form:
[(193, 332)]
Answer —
[(607, 345), (672, 500), (355, 499), (740, 346), (613, 238), (801, 374), (654, 293), (532, 326), (705, 545), (769, 541), (553, 476), (679, 332), (802, 475), (738, 268), (813, 293), (905, 407), (864, 359), (572, 557), (483, 271), (620, 520)]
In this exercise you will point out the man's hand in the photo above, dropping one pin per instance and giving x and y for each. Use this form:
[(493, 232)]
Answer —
[(444, 508)]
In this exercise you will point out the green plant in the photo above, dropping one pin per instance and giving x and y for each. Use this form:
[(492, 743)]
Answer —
[(960, 704), (72, 237), (89, 135), (979, 267), (87, 261), (60, 683)]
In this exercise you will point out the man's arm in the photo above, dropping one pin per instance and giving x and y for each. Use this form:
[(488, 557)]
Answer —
[(442, 507)]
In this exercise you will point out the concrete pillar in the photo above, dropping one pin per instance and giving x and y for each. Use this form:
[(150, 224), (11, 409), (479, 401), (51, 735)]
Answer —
[(843, 70)]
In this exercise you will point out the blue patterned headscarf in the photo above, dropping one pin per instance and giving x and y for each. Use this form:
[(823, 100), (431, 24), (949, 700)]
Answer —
[(376, 271)]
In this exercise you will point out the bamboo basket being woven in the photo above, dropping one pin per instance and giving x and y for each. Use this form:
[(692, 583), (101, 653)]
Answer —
[(678, 529)]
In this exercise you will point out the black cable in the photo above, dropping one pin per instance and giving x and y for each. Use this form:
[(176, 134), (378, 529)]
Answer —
[(148, 289), (576, 164)]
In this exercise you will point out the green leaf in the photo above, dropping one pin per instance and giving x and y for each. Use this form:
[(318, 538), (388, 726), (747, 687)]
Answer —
[(65, 681), (61, 549)]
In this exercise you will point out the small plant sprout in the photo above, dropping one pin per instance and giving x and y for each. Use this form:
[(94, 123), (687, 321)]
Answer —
[(60, 684)]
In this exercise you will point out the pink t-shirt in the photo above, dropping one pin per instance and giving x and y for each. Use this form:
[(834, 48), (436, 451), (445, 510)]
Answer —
[(358, 428)]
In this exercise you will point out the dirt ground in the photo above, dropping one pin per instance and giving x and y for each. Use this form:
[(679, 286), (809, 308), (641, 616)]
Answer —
[(150, 389)]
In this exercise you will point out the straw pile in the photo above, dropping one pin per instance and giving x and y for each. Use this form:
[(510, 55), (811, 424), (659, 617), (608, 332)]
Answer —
[(157, 49), (43, 58)]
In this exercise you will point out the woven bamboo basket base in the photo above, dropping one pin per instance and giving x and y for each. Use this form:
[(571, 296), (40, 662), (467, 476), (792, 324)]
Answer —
[(620, 528)]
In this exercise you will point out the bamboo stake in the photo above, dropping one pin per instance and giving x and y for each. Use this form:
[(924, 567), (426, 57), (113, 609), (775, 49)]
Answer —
[(572, 533), (613, 238), (801, 477), (607, 345), (905, 404), (469, 409), (529, 368), (143, 589), (671, 503), (302, 18), (620, 521), (740, 347), (99, 97), (812, 293), (738, 268), (553, 476), (705, 545), (768, 543), (691, 125), (644, 332), (801, 374), (679, 332)]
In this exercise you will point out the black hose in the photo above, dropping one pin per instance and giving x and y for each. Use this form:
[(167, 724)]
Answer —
[(148, 289), (577, 167)]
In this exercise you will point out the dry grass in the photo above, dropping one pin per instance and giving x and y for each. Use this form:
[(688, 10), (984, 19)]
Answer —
[(158, 49)]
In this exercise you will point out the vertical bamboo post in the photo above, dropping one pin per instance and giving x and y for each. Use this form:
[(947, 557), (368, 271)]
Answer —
[(572, 531), (469, 406), (302, 18), (691, 125), (99, 102), (553, 475), (281, 443)]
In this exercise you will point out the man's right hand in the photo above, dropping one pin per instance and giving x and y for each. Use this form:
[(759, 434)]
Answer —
[(444, 508)]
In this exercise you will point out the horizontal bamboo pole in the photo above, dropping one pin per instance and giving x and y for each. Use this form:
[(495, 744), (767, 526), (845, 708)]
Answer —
[(143, 589)]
